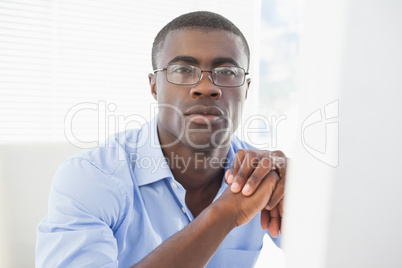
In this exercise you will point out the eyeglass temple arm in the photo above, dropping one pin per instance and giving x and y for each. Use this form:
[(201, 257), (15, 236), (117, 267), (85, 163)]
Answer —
[(160, 69)]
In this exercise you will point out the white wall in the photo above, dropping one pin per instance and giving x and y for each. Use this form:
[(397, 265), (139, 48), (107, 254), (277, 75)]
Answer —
[(347, 213), (26, 173)]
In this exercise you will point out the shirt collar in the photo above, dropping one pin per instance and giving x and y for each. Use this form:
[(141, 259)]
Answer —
[(149, 164)]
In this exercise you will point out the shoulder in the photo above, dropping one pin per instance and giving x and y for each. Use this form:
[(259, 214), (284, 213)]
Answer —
[(109, 161), (111, 154), (97, 180)]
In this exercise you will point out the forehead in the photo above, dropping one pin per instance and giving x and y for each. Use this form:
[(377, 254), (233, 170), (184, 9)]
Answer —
[(205, 46)]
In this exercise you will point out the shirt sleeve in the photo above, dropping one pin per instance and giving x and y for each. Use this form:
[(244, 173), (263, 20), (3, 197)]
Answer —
[(85, 209)]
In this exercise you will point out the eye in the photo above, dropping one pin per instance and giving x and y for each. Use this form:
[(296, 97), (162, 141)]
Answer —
[(226, 71), (182, 69)]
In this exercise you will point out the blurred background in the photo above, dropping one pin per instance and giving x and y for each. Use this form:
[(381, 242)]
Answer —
[(326, 89), (83, 65)]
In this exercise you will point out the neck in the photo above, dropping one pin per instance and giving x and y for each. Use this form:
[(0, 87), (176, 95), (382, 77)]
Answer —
[(196, 169), (200, 172)]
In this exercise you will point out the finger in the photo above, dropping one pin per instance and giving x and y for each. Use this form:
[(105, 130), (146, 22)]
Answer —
[(280, 160), (280, 187), (275, 222), (277, 195), (240, 154), (272, 179), (226, 176), (244, 172), (280, 165), (260, 172), (265, 218), (281, 207)]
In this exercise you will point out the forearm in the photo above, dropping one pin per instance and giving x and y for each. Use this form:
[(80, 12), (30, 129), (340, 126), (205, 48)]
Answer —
[(195, 244)]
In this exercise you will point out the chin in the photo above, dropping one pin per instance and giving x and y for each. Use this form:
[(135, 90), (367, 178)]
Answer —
[(206, 142)]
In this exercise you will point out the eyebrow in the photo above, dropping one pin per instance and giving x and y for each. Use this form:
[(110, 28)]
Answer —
[(186, 59), (222, 60)]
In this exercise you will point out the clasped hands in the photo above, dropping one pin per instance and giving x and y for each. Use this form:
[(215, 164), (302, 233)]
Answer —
[(249, 170)]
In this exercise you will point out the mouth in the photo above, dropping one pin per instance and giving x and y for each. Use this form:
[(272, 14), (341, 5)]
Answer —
[(204, 115)]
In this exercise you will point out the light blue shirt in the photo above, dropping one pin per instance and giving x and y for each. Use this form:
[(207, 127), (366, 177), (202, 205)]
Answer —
[(111, 206)]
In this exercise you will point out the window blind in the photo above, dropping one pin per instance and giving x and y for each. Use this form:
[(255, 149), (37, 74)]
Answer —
[(82, 64)]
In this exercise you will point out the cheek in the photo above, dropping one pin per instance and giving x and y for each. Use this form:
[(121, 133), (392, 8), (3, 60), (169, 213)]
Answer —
[(169, 93), (170, 104), (235, 102), (235, 108), (166, 94)]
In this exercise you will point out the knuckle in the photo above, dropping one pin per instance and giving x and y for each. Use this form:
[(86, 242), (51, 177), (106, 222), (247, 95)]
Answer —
[(280, 162), (253, 180), (273, 176), (253, 154), (236, 165), (266, 153), (266, 162), (240, 176), (278, 153), (254, 162), (241, 152)]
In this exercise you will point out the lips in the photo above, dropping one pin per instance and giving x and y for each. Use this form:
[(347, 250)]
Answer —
[(204, 110), (204, 115)]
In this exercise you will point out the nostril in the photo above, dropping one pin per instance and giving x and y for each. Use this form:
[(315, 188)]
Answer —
[(206, 92)]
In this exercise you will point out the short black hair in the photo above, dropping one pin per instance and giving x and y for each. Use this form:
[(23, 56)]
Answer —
[(203, 20)]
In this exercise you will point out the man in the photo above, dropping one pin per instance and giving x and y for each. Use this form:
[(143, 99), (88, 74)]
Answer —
[(177, 212)]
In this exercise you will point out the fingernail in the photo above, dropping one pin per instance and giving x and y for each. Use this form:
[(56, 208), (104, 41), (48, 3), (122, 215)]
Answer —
[(267, 207), (246, 189), (230, 178), (235, 187)]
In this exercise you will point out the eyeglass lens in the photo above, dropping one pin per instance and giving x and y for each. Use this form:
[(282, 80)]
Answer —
[(229, 76)]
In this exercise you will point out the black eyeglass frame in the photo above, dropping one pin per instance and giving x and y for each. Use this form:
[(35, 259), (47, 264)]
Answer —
[(200, 77)]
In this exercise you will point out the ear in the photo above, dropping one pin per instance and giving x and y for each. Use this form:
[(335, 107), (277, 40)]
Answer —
[(248, 82), (152, 84)]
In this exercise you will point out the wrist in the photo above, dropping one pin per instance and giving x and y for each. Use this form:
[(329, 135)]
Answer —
[(220, 214)]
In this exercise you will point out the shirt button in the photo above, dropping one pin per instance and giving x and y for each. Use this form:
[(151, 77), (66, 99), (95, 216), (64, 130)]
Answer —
[(174, 185), (183, 209)]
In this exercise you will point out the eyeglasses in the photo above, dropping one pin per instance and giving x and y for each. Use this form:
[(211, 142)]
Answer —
[(186, 75)]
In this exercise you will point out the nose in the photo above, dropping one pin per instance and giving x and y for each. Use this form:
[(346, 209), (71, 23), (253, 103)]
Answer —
[(205, 88)]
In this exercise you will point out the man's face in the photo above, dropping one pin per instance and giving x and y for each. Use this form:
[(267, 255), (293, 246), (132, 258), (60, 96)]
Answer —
[(202, 116)]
